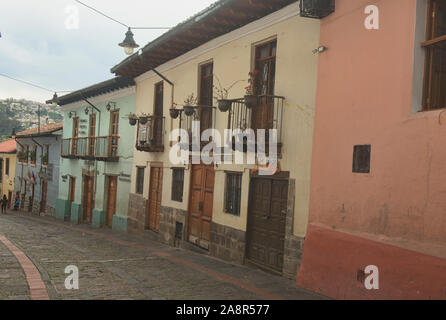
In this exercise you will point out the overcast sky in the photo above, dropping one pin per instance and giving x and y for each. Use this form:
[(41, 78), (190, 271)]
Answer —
[(36, 46)]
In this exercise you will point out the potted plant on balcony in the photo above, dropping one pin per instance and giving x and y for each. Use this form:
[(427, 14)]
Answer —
[(174, 112), (251, 100), (224, 104), (143, 118), (33, 156), (133, 119), (189, 105), (44, 159)]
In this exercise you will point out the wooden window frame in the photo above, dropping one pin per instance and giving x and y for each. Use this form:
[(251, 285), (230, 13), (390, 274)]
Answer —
[(7, 164), (429, 45), (177, 193), (235, 196), (139, 187)]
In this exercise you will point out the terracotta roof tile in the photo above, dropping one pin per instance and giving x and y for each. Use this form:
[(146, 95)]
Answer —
[(9, 146), (43, 130)]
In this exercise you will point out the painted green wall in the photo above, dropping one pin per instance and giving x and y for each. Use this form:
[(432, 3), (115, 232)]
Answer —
[(74, 167)]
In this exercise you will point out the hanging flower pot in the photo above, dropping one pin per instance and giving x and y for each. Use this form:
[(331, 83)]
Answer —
[(132, 121), (174, 113), (251, 101), (224, 105), (143, 120), (189, 110)]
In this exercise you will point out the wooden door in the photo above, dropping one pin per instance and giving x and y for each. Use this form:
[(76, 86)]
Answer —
[(114, 132), (92, 135), (155, 198), (75, 135), (111, 199), (88, 198), (266, 222), (263, 114), (201, 204), (206, 95), (157, 133), (72, 191), (44, 194)]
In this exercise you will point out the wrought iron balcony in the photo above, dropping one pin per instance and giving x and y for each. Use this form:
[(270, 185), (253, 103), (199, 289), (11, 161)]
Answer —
[(150, 136), (205, 115), (91, 148), (268, 115)]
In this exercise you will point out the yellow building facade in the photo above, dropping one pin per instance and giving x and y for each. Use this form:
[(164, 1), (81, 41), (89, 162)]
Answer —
[(229, 210), (8, 158)]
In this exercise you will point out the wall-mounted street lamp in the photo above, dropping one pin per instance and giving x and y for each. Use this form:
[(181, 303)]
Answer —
[(72, 114), (129, 43), (111, 105)]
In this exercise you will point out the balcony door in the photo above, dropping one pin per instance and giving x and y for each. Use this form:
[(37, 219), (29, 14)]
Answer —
[(92, 135), (114, 131), (157, 135), (263, 114), (75, 135), (206, 95)]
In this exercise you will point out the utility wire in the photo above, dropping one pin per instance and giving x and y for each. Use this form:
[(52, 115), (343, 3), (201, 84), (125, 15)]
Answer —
[(32, 84), (117, 21)]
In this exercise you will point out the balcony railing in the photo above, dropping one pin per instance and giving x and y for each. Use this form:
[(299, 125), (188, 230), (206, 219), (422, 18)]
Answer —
[(150, 136), (205, 115), (268, 115), (91, 148)]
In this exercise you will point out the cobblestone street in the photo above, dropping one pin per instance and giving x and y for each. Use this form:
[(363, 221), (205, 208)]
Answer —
[(119, 266)]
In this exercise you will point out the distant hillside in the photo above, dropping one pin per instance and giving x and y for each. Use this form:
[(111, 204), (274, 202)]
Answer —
[(20, 114)]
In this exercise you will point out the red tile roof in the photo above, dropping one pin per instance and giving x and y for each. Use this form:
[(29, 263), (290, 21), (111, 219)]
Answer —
[(49, 128), (9, 146)]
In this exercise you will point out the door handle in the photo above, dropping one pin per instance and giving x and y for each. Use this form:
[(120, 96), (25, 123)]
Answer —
[(200, 206)]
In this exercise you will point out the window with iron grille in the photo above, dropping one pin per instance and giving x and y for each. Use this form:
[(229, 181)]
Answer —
[(434, 96), (233, 192), (177, 184), (140, 180), (361, 159)]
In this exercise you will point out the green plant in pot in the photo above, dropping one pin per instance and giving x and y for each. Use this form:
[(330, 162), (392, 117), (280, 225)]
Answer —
[(174, 112), (133, 119), (44, 158), (190, 104), (143, 118), (251, 100), (224, 104)]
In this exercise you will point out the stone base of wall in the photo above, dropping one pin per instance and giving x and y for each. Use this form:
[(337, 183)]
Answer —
[(227, 243), (119, 223), (98, 220), (36, 208), (292, 257), (76, 213), (172, 226), (63, 210), (50, 211), (136, 221)]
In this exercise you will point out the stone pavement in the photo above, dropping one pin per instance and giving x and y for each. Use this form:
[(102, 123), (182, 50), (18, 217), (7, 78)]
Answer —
[(120, 266)]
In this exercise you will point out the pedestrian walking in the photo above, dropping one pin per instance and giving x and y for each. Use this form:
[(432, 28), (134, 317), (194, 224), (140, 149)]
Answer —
[(4, 204)]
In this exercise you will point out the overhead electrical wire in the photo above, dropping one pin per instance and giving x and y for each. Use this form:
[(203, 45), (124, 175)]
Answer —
[(117, 21), (31, 84)]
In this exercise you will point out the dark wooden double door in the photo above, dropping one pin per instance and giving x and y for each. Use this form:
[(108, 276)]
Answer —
[(266, 222), (200, 205), (155, 198)]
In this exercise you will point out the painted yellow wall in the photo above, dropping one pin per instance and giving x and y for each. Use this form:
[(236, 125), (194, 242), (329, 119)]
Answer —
[(7, 183), (295, 80)]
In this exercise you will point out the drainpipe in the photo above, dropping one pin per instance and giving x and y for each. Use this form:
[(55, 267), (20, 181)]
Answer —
[(99, 134), (165, 79)]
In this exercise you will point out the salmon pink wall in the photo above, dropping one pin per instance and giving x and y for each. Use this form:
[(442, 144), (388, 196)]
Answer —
[(364, 96)]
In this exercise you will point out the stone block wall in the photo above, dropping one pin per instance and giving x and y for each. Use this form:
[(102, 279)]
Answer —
[(227, 243), (293, 245), (170, 220), (136, 221)]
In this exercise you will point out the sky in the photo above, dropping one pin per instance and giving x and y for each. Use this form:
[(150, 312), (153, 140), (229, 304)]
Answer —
[(64, 46)]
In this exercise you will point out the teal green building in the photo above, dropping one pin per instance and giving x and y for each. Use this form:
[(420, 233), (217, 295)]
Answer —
[(97, 154)]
